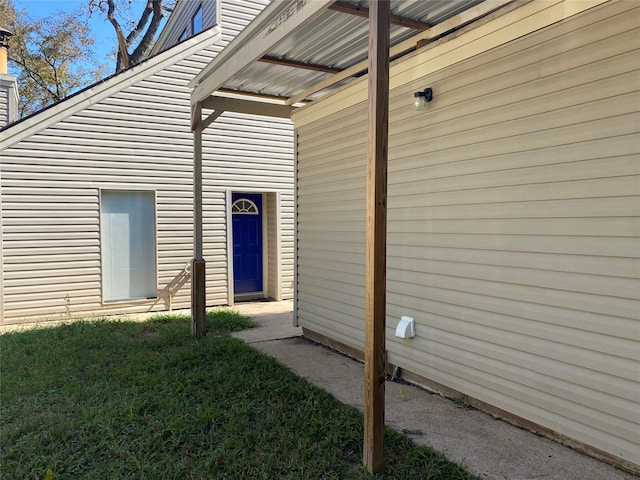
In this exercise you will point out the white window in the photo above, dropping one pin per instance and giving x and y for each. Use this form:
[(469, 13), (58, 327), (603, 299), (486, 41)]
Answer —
[(196, 21), (128, 238)]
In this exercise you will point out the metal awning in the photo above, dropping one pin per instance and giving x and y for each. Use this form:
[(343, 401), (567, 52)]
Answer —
[(301, 50), (298, 51)]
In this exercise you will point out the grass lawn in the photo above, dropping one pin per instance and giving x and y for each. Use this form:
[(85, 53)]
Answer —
[(145, 400)]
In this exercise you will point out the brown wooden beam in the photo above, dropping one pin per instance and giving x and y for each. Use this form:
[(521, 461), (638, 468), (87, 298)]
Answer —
[(376, 236), (198, 284), (198, 298), (211, 118), (246, 93), (226, 104), (296, 64), (344, 7), (196, 115)]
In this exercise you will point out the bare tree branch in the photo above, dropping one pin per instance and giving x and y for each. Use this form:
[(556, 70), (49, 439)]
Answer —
[(133, 46), (142, 47), (144, 18), (123, 55)]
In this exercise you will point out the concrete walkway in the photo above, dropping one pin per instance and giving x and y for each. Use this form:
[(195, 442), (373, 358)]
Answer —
[(488, 447)]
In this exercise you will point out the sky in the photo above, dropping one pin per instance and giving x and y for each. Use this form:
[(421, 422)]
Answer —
[(100, 26)]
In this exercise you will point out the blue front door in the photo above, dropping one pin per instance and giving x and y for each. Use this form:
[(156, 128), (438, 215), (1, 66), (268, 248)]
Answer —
[(246, 211)]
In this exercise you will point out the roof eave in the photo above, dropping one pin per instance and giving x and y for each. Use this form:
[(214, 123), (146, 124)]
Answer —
[(16, 132), (173, 16)]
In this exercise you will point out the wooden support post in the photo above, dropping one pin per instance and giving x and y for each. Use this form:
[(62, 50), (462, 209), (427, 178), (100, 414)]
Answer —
[(198, 298), (198, 289), (376, 236)]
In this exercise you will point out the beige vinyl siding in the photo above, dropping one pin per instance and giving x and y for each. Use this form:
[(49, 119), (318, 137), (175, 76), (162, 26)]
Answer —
[(287, 251), (331, 169), (513, 232), (273, 246), (138, 138)]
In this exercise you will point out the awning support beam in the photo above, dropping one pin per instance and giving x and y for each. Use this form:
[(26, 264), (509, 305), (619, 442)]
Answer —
[(376, 237), (303, 65), (198, 277), (237, 105), (211, 118), (345, 7)]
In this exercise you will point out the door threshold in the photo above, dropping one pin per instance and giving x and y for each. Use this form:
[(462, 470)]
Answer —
[(249, 297)]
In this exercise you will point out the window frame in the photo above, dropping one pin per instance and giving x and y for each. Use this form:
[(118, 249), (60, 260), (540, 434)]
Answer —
[(153, 283)]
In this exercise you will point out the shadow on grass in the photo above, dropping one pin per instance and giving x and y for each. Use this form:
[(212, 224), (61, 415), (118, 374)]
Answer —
[(145, 400)]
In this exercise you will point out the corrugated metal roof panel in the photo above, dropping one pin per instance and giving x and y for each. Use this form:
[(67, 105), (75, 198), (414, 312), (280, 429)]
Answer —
[(429, 11), (277, 80), (334, 39)]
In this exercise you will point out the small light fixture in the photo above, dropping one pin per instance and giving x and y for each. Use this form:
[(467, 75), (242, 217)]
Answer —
[(420, 99)]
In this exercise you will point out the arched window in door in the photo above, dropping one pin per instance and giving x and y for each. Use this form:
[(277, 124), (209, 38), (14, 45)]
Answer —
[(244, 206)]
